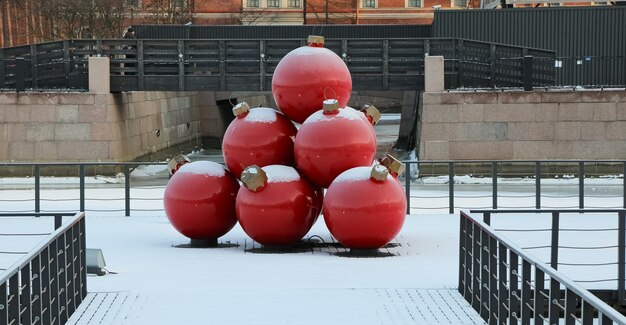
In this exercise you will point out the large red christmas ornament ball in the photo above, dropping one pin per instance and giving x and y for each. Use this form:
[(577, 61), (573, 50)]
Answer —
[(199, 200), (306, 76), (277, 206), (332, 141), (260, 136), (364, 208)]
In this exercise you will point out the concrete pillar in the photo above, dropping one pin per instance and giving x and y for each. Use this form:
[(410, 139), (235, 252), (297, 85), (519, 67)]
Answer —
[(434, 74), (99, 75)]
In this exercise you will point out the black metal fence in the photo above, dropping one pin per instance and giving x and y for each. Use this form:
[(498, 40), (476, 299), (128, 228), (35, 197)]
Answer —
[(535, 171), (505, 285), (590, 41), (434, 186), (248, 65), (48, 283)]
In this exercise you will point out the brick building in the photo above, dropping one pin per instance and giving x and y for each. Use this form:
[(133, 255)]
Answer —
[(21, 21)]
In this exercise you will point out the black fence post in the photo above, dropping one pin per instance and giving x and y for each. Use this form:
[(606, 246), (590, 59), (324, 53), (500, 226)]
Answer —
[(492, 66), (527, 69), (181, 65), (127, 189), (621, 258), (141, 78), (494, 184), (460, 62), (34, 76), (58, 221), (537, 185), (81, 169), (407, 186), (581, 184), (2, 69), (262, 72), (451, 187), (20, 74), (624, 187), (554, 246), (37, 188)]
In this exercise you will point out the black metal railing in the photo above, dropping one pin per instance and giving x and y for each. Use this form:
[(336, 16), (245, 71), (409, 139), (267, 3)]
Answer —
[(533, 170), (555, 229), (240, 64), (449, 195), (48, 283), (506, 285), (80, 170)]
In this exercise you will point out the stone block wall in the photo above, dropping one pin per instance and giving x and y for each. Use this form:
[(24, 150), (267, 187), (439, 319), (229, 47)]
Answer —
[(523, 125), (91, 127)]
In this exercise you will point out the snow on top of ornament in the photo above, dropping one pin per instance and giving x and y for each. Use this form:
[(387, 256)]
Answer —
[(207, 168), (309, 51), (261, 115), (356, 174), (319, 116), (281, 174)]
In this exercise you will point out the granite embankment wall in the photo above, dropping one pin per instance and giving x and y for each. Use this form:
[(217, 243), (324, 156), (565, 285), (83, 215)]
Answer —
[(523, 125), (90, 127), (454, 125)]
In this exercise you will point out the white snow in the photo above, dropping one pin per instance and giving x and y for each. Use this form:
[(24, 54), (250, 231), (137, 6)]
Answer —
[(357, 174), (164, 284), (319, 116), (281, 174), (261, 115), (309, 51), (207, 168)]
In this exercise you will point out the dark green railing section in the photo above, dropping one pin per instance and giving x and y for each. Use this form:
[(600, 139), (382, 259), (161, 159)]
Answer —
[(248, 65), (506, 285), (48, 283)]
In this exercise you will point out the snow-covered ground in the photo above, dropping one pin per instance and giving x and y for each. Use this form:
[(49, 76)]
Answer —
[(155, 282)]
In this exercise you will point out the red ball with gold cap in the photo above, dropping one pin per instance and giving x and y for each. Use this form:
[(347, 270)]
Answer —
[(332, 141), (365, 207), (306, 76), (199, 200), (261, 136), (276, 206)]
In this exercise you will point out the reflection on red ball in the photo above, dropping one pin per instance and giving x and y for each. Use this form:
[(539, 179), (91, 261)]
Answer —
[(364, 213), (329, 144), (260, 136), (280, 209), (199, 200), (305, 77)]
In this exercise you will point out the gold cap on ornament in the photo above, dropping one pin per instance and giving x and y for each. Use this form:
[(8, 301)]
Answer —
[(315, 39), (330, 105), (241, 108), (379, 173), (254, 178), (372, 112), (394, 165)]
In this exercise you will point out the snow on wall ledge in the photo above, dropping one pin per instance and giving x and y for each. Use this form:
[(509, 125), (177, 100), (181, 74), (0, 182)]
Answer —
[(518, 125)]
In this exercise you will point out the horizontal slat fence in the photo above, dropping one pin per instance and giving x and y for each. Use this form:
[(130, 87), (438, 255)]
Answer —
[(239, 64)]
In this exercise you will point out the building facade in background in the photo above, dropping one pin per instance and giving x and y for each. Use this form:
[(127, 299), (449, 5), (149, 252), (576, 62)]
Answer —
[(33, 21)]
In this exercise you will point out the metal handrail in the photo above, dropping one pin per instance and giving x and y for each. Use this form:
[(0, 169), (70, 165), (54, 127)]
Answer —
[(47, 284), (451, 172), (494, 176), (4, 276), (482, 262)]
